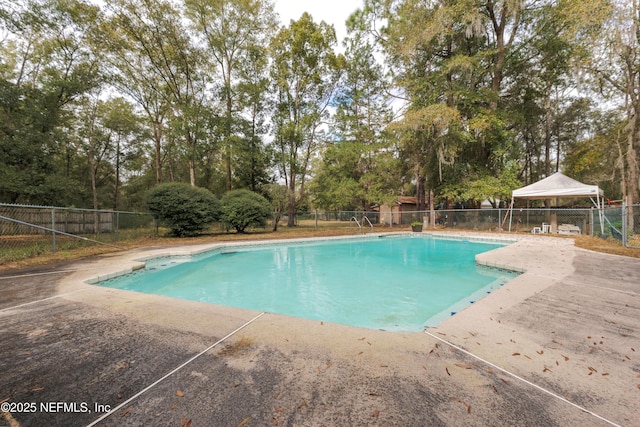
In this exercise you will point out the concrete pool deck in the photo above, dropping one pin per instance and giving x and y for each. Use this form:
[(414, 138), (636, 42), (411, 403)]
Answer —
[(558, 345)]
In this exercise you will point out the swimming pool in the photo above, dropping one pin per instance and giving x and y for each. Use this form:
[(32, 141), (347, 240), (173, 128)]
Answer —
[(387, 282)]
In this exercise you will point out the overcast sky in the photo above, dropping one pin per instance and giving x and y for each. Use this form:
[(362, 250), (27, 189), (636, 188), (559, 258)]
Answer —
[(333, 12)]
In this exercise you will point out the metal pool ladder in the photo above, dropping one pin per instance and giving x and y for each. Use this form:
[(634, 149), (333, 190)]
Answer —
[(353, 218)]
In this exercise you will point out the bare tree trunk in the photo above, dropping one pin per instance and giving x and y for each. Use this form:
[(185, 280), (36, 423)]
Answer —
[(432, 208), (157, 140), (420, 190), (291, 221)]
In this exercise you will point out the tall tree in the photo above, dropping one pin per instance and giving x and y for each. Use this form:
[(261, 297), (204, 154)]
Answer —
[(235, 31), (348, 177), (155, 30), (615, 63), (131, 74), (48, 66), (305, 72)]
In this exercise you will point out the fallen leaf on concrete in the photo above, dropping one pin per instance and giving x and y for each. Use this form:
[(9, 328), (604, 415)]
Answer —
[(126, 411), (516, 354), (604, 374), (463, 366), (329, 365), (374, 394), (174, 407), (593, 369), (546, 369), (375, 414), (557, 342), (243, 422), (179, 393), (447, 369), (566, 359), (540, 352), (186, 423), (302, 405), (37, 389), (275, 421), (362, 339), (463, 402)]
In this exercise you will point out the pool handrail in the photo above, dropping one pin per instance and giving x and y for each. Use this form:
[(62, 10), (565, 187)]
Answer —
[(364, 217), (353, 218)]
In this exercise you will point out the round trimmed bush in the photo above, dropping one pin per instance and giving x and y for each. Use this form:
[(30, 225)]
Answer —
[(244, 208), (185, 209)]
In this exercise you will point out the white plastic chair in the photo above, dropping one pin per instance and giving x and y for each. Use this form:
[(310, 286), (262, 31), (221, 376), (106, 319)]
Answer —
[(545, 227)]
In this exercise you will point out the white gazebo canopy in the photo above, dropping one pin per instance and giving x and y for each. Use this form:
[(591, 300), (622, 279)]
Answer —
[(557, 185)]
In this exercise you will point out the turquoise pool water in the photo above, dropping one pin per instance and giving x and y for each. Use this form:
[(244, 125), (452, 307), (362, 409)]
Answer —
[(389, 283)]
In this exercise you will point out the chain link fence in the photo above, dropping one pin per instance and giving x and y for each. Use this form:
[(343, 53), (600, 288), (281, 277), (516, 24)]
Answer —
[(27, 231), (621, 223)]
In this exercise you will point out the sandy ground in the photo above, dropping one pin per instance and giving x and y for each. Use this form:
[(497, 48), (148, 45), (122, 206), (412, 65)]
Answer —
[(557, 346)]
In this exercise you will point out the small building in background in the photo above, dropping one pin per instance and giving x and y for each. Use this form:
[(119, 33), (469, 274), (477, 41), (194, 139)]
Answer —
[(401, 211)]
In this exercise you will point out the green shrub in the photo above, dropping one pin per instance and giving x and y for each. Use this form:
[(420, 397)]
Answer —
[(242, 208), (185, 209)]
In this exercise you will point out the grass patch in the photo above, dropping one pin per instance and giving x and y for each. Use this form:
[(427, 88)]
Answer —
[(609, 246)]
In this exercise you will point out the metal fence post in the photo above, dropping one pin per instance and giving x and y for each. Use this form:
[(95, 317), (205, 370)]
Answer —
[(316, 217), (591, 220), (117, 226), (624, 224), (53, 227)]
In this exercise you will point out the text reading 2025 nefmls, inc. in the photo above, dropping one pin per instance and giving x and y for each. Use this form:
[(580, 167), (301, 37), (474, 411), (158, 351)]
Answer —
[(54, 407)]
